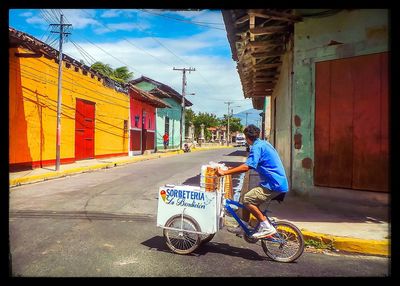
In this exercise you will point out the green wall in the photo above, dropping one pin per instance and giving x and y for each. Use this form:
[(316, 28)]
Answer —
[(361, 32), (174, 114), (281, 131)]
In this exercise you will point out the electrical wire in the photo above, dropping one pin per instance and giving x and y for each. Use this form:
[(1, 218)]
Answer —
[(81, 50), (127, 40), (208, 84), (186, 21)]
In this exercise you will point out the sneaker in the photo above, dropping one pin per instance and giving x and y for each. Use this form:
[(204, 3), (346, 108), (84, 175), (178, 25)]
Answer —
[(264, 231), (238, 229)]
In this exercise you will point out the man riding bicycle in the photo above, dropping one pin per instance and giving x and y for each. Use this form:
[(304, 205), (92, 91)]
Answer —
[(264, 159)]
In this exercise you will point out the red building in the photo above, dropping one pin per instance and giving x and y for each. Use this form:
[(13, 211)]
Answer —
[(143, 120)]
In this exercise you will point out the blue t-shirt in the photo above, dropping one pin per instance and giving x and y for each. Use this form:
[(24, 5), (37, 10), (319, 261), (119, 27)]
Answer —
[(265, 160)]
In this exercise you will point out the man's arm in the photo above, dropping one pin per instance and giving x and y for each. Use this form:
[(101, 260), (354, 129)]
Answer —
[(239, 169)]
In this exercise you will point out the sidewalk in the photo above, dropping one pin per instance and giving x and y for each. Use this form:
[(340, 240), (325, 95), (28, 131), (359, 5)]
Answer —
[(47, 173), (343, 225)]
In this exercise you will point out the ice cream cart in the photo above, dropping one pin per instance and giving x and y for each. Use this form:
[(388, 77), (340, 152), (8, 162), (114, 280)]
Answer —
[(191, 215)]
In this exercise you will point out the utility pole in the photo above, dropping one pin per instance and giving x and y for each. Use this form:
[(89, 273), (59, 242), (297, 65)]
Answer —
[(59, 98), (227, 135), (246, 117), (184, 70)]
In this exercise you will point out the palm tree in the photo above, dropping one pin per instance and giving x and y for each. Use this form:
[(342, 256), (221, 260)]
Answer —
[(120, 74), (123, 74), (102, 68)]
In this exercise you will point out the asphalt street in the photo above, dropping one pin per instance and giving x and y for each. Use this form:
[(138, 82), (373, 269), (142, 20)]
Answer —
[(103, 224)]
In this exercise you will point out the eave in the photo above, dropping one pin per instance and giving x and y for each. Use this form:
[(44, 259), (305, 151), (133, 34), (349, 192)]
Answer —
[(258, 39)]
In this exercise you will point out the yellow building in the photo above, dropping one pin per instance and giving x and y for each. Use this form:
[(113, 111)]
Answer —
[(94, 114)]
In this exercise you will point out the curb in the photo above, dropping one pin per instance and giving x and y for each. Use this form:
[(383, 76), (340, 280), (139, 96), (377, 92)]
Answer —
[(59, 174), (348, 244)]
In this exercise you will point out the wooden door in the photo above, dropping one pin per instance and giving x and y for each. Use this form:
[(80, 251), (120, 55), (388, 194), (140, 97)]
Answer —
[(351, 123), (84, 129)]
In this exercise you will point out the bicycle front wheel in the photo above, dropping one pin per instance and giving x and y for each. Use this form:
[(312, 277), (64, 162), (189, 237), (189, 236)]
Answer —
[(181, 239), (286, 245)]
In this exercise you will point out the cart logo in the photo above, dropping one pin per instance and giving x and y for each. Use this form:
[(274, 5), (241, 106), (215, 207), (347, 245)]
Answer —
[(185, 198), (163, 195)]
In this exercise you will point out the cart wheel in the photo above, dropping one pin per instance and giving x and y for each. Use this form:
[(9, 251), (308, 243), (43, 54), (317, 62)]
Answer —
[(207, 238), (181, 241)]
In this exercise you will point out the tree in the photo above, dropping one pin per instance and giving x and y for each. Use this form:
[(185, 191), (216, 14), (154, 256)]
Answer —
[(102, 68), (190, 116), (234, 123), (120, 74), (208, 119), (123, 73)]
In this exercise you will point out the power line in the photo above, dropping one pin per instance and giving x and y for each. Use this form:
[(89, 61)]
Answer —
[(208, 85), (110, 54), (48, 17), (85, 54), (161, 44), (128, 40), (186, 63), (186, 21)]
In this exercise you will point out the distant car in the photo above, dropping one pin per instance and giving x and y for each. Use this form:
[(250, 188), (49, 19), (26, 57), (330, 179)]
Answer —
[(240, 140)]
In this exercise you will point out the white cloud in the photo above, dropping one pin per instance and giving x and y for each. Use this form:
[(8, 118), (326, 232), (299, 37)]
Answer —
[(111, 13), (79, 18), (107, 28), (26, 14), (36, 20), (214, 82)]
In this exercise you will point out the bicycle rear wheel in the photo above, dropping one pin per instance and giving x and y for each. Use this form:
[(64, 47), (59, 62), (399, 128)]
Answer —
[(182, 240), (286, 245)]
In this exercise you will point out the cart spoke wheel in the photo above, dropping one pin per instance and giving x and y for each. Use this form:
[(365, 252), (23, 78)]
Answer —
[(180, 240)]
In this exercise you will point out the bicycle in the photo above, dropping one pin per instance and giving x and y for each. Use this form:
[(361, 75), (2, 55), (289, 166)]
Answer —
[(183, 234)]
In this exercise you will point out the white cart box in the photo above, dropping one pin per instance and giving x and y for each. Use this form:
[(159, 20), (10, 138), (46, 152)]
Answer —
[(204, 207)]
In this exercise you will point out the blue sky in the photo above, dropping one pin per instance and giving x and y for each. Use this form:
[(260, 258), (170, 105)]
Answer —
[(151, 43)]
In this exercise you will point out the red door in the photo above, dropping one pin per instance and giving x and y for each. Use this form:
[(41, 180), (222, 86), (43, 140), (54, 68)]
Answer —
[(84, 129), (351, 123)]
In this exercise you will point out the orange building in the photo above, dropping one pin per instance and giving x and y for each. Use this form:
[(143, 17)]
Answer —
[(95, 109)]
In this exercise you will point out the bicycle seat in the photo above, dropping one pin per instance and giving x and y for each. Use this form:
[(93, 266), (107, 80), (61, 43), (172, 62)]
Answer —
[(279, 197)]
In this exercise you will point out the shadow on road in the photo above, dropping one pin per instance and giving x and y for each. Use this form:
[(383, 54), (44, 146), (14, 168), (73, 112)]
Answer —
[(226, 249), (158, 243), (238, 153), (193, 181)]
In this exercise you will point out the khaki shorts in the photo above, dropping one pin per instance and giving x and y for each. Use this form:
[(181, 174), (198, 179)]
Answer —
[(259, 195)]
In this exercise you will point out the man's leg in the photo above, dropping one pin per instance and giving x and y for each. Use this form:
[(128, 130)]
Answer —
[(255, 211), (252, 200)]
